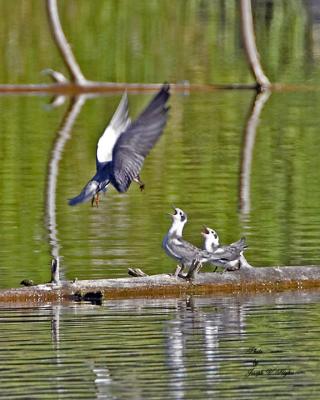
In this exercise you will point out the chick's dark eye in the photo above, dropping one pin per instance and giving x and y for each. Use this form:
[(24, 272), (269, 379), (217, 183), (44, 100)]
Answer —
[(182, 217), (215, 235)]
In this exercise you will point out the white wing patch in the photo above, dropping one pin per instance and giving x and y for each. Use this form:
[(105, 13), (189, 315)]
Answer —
[(106, 144), (116, 127)]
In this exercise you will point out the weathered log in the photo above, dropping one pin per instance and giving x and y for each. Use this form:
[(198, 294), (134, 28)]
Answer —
[(244, 280)]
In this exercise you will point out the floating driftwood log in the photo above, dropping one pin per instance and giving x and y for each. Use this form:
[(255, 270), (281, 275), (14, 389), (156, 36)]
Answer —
[(243, 280)]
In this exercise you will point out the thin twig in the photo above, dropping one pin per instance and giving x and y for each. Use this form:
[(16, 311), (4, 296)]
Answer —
[(250, 45), (62, 43)]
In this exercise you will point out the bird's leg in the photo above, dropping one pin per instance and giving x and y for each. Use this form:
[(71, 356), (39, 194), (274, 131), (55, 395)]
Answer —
[(178, 271), (95, 200), (198, 267), (140, 183), (194, 269)]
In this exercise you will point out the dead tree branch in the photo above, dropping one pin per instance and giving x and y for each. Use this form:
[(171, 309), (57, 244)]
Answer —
[(250, 45), (62, 43)]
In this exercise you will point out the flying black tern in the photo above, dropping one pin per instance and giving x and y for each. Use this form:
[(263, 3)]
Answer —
[(123, 146)]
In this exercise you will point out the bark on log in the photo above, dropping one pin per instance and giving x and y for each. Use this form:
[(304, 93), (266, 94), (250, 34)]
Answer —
[(244, 280)]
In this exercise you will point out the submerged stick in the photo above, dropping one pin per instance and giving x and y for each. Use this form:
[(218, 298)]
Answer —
[(250, 45)]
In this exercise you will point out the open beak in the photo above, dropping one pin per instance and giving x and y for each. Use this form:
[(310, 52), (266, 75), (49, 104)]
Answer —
[(171, 215), (205, 231)]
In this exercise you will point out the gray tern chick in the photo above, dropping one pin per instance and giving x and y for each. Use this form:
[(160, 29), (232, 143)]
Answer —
[(232, 254), (123, 146)]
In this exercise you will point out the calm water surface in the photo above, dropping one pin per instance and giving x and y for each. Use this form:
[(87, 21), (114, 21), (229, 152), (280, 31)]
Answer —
[(240, 165), (237, 347), (197, 166)]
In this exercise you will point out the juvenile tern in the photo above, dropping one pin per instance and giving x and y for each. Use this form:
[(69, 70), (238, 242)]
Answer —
[(184, 252), (232, 253)]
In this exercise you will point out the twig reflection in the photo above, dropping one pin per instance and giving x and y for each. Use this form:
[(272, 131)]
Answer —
[(247, 150), (62, 136)]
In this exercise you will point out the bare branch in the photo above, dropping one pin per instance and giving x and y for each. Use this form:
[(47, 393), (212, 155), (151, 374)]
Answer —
[(250, 44), (62, 43)]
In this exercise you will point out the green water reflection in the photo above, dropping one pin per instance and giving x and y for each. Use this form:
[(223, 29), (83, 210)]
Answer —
[(153, 41), (196, 166), (167, 348)]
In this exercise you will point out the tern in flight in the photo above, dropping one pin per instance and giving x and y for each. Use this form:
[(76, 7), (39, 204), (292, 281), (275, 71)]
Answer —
[(123, 146)]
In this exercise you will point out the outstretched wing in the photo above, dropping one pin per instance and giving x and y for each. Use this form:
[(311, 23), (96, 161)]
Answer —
[(135, 143), (117, 125)]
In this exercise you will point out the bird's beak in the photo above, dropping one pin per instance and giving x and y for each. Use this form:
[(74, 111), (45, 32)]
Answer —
[(205, 231), (174, 209)]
